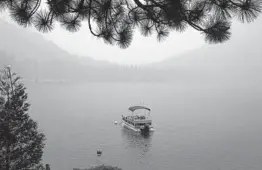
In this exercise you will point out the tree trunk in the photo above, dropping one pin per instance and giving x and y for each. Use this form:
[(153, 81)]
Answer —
[(8, 157)]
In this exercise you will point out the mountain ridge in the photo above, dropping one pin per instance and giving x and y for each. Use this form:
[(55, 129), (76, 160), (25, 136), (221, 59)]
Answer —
[(38, 58), (245, 41)]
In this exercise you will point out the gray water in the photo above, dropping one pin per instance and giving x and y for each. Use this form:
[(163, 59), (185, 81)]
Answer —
[(200, 127)]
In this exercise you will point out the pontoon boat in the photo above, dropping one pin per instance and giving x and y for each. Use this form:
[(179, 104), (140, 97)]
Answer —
[(137, 121)]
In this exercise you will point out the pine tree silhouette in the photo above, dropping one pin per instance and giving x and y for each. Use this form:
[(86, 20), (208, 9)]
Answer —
[(21, 144), (115, 20)]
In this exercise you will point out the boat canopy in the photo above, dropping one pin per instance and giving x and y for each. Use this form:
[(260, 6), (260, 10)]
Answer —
[(133, 108)]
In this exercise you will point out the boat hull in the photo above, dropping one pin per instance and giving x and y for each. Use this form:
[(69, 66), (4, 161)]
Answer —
[(133, 128)]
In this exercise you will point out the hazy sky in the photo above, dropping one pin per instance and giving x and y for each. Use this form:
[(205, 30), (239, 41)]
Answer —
[(142, 50)]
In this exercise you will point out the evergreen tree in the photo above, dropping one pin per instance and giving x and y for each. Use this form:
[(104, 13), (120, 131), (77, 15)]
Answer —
[(115, 20), (21, 143)]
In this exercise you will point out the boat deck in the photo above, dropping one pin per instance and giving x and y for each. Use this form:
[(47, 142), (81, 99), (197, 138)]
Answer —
[(137, 119)]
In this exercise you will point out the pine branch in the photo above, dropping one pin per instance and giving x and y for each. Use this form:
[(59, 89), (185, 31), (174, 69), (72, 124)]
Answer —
[(102, 14)]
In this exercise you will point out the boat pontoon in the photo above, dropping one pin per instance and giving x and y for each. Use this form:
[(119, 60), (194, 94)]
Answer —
[(137, 121)]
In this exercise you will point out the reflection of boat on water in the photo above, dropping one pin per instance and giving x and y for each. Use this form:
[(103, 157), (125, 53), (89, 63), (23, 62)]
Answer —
[(141, 141), (138, 122)]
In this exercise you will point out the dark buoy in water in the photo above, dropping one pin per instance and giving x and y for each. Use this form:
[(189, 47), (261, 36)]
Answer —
[(99, 152)]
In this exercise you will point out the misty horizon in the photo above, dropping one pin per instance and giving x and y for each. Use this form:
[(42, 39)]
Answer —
[(132, 56), (204, 99)]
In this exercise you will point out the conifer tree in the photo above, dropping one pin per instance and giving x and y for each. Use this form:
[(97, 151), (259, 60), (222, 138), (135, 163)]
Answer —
[(21, 143), (115, 20)]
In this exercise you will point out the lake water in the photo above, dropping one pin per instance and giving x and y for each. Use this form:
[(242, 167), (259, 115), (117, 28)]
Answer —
[(198, 127)]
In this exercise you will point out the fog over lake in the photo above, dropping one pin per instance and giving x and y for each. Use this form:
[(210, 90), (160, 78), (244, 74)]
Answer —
[(198, 127), (206, 103)]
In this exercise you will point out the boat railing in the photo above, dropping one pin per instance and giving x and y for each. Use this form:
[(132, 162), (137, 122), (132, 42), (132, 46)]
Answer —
[(135, 118), (132, 118), (141, 121)]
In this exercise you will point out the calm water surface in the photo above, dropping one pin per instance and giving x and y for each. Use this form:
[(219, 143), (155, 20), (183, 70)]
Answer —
[(197, 127)]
